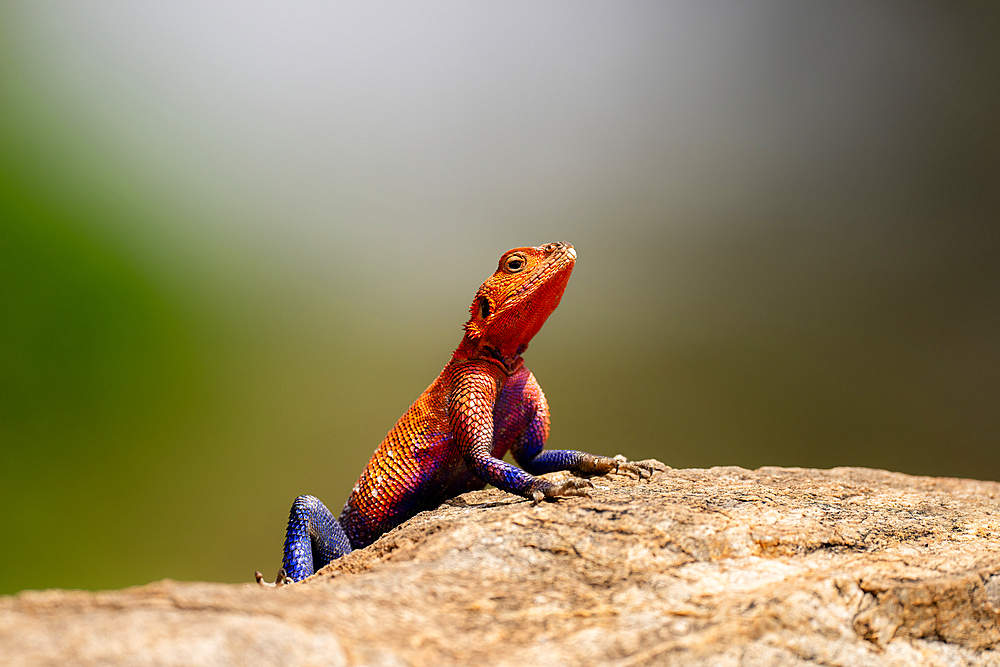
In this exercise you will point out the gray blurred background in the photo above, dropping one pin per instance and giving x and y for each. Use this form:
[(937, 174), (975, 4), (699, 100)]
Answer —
[(239, 238)]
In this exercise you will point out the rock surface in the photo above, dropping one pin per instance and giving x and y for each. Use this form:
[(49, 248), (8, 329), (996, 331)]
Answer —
[(724, 566)]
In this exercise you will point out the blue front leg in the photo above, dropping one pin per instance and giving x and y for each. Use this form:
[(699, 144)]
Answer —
[(314, 538)]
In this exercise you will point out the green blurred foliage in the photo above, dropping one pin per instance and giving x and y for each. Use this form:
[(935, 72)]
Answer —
[(92, 336)]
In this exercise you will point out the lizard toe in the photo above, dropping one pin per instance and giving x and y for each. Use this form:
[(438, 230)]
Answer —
[(281, 580), (574, 486), (639, 468)]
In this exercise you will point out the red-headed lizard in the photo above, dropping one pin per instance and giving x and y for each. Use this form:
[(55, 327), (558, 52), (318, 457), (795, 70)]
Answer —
[(452, 439)]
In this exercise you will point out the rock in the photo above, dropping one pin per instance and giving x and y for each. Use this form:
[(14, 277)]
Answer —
[(726, 566)]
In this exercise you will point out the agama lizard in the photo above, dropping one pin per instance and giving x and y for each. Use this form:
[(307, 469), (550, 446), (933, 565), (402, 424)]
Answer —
[(452, 439)]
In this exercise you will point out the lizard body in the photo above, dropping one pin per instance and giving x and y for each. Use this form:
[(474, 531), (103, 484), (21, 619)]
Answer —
[(452, 439)]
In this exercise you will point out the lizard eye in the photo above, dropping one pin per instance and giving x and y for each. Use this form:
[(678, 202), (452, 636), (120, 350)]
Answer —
[(484, 307), (514, 264)]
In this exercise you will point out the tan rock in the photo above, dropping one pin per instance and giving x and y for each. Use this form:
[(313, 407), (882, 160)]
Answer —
[(695, 567)]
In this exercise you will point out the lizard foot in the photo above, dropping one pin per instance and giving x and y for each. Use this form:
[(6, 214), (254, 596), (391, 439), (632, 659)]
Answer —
[(638, 468), (282, 579), (574, 486), (593, 464)]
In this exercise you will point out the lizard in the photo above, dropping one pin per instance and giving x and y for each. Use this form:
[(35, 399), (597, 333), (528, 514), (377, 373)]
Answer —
[(453, 438)]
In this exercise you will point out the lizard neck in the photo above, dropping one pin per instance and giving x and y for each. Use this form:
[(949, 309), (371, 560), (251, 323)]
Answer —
[(470, 349)]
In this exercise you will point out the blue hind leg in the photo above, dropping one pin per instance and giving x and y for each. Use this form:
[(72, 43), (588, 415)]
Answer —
[(314, 538)]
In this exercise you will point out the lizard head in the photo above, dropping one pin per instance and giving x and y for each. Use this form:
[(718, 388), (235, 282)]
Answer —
[(513, 304)]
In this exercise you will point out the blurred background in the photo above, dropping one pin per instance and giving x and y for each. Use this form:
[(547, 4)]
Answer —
[(237, 240)]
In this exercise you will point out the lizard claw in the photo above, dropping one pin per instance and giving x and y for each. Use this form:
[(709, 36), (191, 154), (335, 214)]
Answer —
[(574, 486), (281, 580), (637, 468)]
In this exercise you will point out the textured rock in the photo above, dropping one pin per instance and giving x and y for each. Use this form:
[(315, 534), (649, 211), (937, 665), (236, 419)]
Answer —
[(695, 567)]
